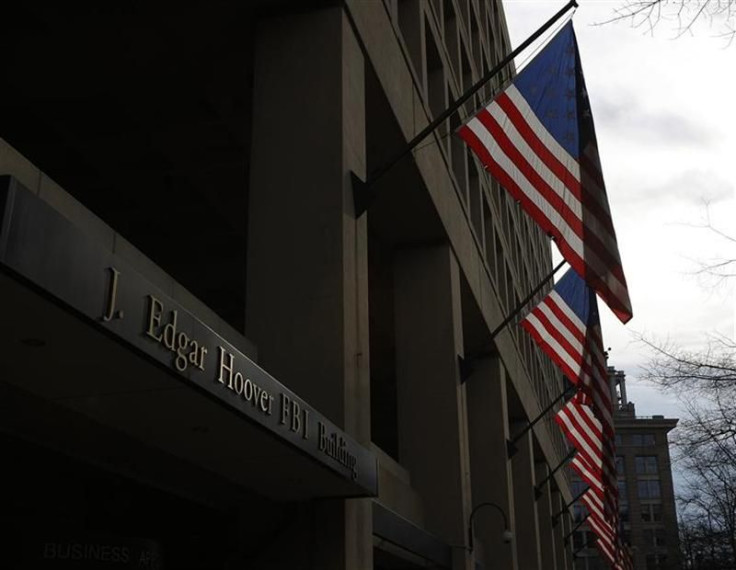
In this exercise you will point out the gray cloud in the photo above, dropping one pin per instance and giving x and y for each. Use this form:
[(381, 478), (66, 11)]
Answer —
[(694, 186), (625, 116)]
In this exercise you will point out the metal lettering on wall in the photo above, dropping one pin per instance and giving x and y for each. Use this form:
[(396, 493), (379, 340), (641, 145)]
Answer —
[(229, 371), (106, 289)]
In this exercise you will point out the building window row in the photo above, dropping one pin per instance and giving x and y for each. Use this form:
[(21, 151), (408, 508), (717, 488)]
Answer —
[(646, 465), (651, 512), (635, 440), (649, 489)]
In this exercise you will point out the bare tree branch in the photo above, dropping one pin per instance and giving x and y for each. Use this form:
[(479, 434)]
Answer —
[(686, 14)]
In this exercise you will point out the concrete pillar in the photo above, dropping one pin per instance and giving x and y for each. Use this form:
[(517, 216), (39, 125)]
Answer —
[(544, 512), (525, 505), (491, 473), (567, 526), (307, 254), (558, 530), (433, 443)]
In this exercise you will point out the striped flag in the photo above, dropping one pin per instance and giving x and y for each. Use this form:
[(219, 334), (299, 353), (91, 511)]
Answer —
[(592, 475), (585, 432), (566, 326), (537, 139), (609, 543), (589, 474), (598, 523)]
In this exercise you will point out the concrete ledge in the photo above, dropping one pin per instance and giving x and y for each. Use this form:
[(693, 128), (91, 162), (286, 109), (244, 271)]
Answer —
[(35, 181)]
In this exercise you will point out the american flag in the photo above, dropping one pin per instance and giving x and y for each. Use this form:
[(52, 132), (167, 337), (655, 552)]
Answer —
[(598, 523), (566, 326), (609, 540), (585, 432), (537, 139)]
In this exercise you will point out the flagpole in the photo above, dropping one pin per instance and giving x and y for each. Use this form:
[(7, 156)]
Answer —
[(362, 193), (543, 482), (511, 448), (466, 367), (592, 538), (562, 511), (523, 302), (566, 538)]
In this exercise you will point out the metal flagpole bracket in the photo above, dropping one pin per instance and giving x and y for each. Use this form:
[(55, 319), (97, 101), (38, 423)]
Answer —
[(368, 194), (539, 486), (471, 357), (361, 194), (592, 539), (565, 509), (566, 538), (511, 447)]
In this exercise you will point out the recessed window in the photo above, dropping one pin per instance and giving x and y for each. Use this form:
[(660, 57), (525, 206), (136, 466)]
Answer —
[(620, 466), (622, 490), (642, 439), (648, 489), (651, 512), (646, 465)]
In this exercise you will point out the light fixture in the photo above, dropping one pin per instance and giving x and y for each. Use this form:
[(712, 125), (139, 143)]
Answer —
[(507, 535)]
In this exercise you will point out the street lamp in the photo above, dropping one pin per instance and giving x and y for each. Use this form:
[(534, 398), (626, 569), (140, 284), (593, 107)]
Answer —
[(507, 535)]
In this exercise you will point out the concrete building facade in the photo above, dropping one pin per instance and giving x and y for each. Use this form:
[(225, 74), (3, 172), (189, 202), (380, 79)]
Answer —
[(209, 360)]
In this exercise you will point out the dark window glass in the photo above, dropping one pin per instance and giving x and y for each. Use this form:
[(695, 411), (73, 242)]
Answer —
[(651, 512), (646, 464), (648, 489), (578, 487), (620, 468), (659, 537), (642, 439)]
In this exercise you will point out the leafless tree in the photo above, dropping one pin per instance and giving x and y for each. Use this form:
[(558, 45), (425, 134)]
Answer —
[(705, 441), (683, 14), (706, 450)]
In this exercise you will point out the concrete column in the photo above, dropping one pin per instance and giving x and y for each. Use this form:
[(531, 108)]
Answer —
[(307, 254), (567, 526), (491, 473), (527, 521), (544, 512), (433, 442), (558, 530)]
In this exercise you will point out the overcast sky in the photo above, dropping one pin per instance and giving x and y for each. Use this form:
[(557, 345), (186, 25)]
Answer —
[(665, 116)]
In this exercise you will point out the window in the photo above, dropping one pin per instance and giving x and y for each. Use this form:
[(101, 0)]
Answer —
[(651, 512), (622, 493), (620, 467), (578, 512), (654, 537), (642, 439), (646, 464), (656, 562), (623, 511), (648, 489), (578, 487), (619, 440), (578, 539)]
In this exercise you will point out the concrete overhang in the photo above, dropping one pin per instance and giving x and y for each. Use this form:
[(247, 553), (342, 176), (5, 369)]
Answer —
[(87, 352)]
